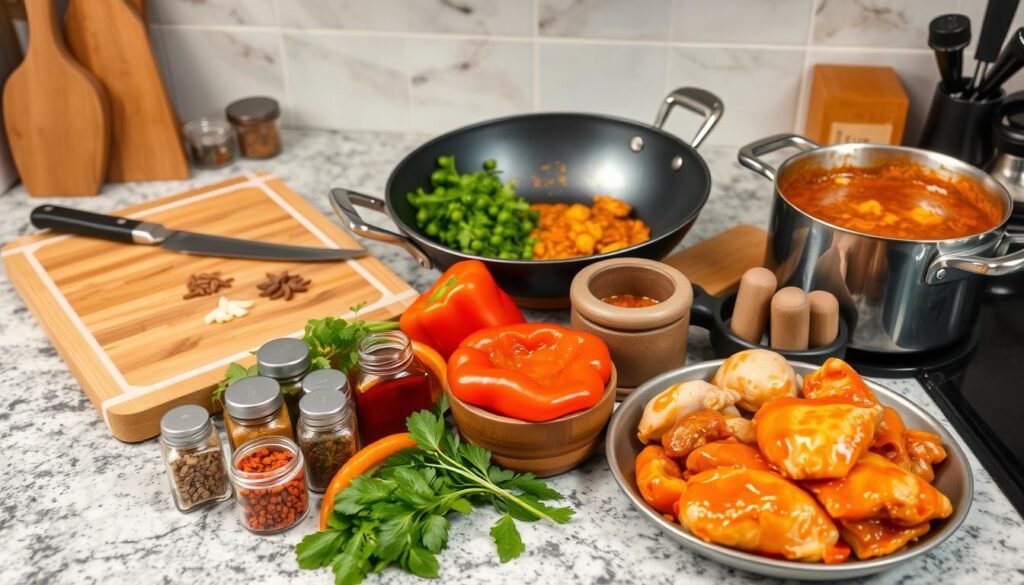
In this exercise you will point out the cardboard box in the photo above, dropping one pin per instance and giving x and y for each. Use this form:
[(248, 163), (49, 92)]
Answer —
[(852, 103)]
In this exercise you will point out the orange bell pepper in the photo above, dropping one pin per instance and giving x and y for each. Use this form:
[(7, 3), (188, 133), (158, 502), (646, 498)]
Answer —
[(464, 300), (532, 371)]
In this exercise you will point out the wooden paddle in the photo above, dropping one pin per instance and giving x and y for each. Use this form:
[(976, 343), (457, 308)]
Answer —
[(110, 39), (56, 114)]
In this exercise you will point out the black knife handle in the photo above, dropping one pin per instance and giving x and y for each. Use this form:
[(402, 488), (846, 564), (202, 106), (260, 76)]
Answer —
[(84, 223), (998, 16)]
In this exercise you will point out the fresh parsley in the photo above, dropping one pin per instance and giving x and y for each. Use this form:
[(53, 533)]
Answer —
[(398, 515)]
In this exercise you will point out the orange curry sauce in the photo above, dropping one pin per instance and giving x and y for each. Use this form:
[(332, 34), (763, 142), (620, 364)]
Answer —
[(630, 301), (902, 201)]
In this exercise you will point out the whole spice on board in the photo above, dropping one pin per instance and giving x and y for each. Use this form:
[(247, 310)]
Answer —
[(227, 309), (195, 461), (205, 284), (283, 286), (326, 434), (271, 484)]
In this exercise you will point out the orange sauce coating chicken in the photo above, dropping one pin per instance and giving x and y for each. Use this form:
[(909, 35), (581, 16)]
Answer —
[(725, 454), (757, 375), (877, 538), (659, 479), (694, 430), (836, 379), (911, 449)]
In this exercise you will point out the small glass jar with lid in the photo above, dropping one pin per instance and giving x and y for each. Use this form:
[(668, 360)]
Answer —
[(270, 480), (211, 143), (194, 458), (286, 360), (329, 379), (254, 408), (391, 384), (255, 122), (327, 435)]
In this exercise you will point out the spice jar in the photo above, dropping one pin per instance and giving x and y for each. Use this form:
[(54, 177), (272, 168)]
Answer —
[(211, 143), (286, 360), (270, 481), (329, 379), (255, 121), (326, 434), (194, 458), (391, 384), (255, 409)]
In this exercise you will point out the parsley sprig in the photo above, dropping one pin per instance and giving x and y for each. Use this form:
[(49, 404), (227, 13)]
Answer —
[(399, 514)]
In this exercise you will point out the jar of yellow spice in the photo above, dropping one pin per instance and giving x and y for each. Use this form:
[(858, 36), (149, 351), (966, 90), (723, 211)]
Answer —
[(255, 408)]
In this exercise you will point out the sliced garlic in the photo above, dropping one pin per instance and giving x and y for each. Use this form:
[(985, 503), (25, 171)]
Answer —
[(227, 310)]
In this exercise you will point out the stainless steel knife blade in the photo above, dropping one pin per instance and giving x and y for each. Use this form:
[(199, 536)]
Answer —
[(206, 245)]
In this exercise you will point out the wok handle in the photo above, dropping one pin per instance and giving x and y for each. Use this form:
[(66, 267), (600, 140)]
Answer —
[(696, 100), (344, 202), (750, 155), (956, 266)]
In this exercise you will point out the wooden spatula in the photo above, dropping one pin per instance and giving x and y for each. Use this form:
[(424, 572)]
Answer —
[(56, 114)]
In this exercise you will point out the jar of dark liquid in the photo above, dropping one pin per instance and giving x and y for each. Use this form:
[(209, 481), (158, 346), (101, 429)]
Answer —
[(391, 384)]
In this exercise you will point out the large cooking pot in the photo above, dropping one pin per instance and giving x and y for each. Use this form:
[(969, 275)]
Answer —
[(897, 295), (564, 158)]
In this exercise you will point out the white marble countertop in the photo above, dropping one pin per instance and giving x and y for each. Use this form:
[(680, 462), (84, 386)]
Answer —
[(78, 506)]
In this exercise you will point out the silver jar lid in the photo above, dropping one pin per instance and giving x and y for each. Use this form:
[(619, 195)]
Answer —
[(326, 379), (185, 425), (253, 397), (283, 358), (324, 407), (253, 110)]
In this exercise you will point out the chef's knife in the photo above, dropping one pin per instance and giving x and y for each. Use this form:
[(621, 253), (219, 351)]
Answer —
[(133, 231), (998, 15)]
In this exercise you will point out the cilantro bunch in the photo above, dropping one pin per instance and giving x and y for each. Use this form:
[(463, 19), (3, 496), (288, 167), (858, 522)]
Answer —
[(398, 515)]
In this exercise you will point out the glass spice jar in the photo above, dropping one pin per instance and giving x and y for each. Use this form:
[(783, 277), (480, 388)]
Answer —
[(270, 481), (391, 384), (286, 360), (327, 435), (255, 409), (255, 121), (329, 379), (211, 143), (194, 458)]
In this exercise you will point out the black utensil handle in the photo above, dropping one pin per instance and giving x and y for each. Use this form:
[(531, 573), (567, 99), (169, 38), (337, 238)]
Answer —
[(1010, 61), (84, 223), (704, 308), (998, 15)]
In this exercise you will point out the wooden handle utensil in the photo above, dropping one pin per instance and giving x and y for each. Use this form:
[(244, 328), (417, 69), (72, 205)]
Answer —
[(824, 310), (791, 319), (750, 316)]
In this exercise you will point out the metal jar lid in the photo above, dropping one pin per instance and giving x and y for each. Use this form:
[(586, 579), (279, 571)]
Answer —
[(253, 397), (283, 358), (321, 408), (185, 425), (253, 110), (327, 379)]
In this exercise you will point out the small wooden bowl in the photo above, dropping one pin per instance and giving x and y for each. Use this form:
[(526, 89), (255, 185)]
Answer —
[(542, 448)]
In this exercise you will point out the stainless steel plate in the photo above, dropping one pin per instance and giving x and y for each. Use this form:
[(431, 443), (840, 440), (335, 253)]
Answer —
[(953, 477)]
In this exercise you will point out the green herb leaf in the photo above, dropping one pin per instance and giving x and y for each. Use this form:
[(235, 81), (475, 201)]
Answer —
[(362, 492), (461, 505), (559, 515), (435, 533), (500, 476), (318, 549), (506, 537), (236, 370), (394, 537), (412, 486), (476, 456), (422, 563), (529, 484), (426, 429)]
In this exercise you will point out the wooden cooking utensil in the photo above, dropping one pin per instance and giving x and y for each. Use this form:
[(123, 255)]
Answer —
[(717, 264), (110, 39), (824, 309), (57, 116), (791, 319), (750, 315)]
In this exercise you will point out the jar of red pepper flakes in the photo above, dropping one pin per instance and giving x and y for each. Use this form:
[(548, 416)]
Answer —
[(270, 483)]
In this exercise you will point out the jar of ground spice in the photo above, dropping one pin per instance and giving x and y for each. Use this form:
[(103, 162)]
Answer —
[(270, 481), (255, 122), (329, 379), (254, 408), (286, 360), (327, 435), (194, 458)]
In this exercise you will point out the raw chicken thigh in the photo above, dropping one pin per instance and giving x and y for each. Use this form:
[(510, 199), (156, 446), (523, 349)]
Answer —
[(757, 375)]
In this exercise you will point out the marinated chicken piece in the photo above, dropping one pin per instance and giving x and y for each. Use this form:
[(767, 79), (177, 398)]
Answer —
[(836, 379), (890, 439), (694, 430), (877, 488), (814, 439), (878, 538), (911, 449), (925, 450), (757, 511), (725, 454), (678, 401), (742, 428), (758, 375), (659, 479)]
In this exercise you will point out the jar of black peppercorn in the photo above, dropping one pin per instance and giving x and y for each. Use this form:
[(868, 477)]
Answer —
[(286, 360), (327, 435), (255, 123), (194, 458)]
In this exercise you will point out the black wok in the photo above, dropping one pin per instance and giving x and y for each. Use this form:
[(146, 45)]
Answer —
[(662, 177)]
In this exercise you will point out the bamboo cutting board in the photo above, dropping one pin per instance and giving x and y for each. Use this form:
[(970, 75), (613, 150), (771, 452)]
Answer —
[(116, 315)]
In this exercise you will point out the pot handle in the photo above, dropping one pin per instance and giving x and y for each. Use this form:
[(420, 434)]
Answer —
[(344, 202), (750, 155), (698, 101), (953, 267)]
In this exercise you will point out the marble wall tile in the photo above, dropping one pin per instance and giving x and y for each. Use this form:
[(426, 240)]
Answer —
[(759, 88), (458, 82), (213, 12), (211, 68), (622, 80), (604, 19), (347, 81), (877, 23), (773, 22), (384, 15), (476, 17)]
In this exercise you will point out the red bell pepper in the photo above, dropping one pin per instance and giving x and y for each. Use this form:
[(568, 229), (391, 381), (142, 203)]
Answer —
[(533, 371), (464, 300)]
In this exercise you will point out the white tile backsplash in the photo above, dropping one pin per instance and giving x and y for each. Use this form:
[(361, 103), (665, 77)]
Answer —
[(359, 15), (605, 19), (476, 17), (769, 22), (877, 23), (213, 12)]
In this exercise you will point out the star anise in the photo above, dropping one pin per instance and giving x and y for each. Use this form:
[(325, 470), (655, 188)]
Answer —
[(205, 284), (283, 285)]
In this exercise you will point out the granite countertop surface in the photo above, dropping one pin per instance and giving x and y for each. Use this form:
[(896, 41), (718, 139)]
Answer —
[(78, 506)]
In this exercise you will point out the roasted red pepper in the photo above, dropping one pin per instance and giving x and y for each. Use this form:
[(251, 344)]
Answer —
[(464, 300), (533, 371)]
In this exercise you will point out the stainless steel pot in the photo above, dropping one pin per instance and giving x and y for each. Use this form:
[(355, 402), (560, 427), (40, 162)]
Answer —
[(897, 295)]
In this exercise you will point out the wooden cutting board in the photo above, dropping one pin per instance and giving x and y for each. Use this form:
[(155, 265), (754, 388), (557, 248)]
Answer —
[(56, 114), (116, 315), (110, 39), (717, 264)]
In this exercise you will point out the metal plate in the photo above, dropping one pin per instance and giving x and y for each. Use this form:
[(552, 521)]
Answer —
[(953, 478)]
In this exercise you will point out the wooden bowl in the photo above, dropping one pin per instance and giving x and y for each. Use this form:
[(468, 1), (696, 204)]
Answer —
[(542, 448)]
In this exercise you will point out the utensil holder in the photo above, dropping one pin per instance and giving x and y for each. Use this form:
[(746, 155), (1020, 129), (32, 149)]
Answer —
[(959, 127)]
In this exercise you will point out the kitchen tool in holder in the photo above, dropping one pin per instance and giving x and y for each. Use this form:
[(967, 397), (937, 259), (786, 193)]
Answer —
[(960, 127), (948, 36), (1010, 61), (998, 16)]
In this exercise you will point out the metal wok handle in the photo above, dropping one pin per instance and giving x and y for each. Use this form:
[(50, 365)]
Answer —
[(956, 266), (344, 201), (750, 155), (696, 100)]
